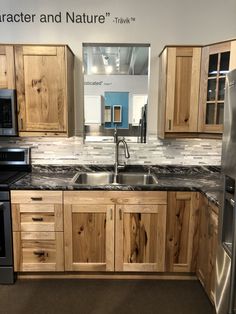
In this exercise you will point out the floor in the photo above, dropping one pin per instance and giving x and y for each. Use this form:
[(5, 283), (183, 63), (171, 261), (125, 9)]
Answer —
[(104, 297)]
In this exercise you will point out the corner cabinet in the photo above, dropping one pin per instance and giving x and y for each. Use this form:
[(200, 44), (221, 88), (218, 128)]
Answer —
[(7, 68), (182, 231), (217, 60), (208, 233), (179, 80), (44, 83), (37, 223), (115, 231)]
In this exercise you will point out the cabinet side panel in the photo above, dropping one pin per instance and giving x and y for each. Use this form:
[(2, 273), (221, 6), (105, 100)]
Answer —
[(162, 94)]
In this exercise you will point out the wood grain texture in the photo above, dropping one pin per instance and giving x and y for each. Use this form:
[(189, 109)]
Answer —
[(89, 237), (42, 89), (183, 79), (162, 94), (116, 197), (182, 223), (206, 52), (46, 197), (7, 67), (208, 235), (140, 239)]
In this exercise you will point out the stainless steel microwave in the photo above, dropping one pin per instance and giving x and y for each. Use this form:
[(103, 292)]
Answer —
[(8, 112)]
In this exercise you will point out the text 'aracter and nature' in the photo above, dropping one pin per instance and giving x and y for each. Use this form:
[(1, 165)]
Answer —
[(64, 17)]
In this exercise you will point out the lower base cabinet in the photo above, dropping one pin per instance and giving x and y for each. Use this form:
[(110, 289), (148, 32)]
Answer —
[(208, 234), (38, 237), (182, 231), (114, 231)]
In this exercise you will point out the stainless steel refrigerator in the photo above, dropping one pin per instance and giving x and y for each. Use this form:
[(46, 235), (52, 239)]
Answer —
[(225, 294)]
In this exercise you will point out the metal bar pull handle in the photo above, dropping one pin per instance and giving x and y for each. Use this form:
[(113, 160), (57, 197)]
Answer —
[(169, 124), (36, 198), (120, 214), (40, 253), (37, 218), (111, 214), (232, 202)]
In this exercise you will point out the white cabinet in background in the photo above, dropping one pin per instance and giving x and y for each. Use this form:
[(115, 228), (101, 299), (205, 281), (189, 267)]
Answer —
[(138, 101), (93, 109)]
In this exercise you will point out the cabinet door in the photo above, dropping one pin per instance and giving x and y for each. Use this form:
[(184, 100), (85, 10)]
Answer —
[(89, 237), (183, 79), (182, 235), (140, 237), (217, 60), (213, 234), (41, 88), (7, 68), (202, 260)]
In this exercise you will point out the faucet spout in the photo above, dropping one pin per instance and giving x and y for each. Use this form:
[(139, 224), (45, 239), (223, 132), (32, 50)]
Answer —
[(117, 164)]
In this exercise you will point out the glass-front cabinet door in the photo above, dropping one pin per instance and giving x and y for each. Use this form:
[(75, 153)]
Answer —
[(217, 60)]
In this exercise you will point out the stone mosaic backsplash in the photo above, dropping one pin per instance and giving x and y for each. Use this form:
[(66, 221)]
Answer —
[(72, 151)]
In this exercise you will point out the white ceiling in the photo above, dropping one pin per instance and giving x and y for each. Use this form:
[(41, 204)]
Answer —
[(115, 59)]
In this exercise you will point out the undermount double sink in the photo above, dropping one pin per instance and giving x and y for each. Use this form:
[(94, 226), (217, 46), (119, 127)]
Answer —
[(123, 178)]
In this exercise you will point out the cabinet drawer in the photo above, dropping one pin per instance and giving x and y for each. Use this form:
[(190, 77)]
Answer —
[(38, 251), (36, 197), (38, 222), (37, 217)]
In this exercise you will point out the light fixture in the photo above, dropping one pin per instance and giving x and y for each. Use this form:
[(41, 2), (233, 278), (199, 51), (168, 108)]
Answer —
[(108, 69), (94, 69)]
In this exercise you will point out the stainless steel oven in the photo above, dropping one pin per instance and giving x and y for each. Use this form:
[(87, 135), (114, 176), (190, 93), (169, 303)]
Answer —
[(6, 264), (8, 112), (14, 164)]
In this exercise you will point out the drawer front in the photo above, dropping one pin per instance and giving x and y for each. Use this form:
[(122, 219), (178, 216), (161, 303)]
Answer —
[(37, 197), (37, 217), (37, 222), (38, 251)]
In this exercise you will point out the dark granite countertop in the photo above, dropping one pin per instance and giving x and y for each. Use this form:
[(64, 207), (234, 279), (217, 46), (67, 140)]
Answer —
[(207, 180)]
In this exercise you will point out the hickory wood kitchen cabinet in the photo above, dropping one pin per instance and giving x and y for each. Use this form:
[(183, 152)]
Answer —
[(208, 232), (192, 87), (44, 84), (38, 237), (7, 69), (179, 79), (217, 59), (182, 231), (114, 231)]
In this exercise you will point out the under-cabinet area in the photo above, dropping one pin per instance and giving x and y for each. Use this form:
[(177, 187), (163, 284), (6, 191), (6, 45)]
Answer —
[(115, 231)]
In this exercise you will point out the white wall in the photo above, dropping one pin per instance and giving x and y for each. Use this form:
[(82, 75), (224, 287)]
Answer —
[(156, 22)]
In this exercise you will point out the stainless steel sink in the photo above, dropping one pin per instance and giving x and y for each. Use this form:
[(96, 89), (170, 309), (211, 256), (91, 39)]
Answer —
[(123, 178), (93, 178), (136, 178)]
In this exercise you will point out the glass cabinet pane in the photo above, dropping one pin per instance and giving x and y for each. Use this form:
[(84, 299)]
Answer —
[(220, 114), (213, 61), (221, 89), (211, 89), (210, 114), (224, 62)]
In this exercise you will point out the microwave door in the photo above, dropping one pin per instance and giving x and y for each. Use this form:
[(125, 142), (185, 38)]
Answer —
[(8, 124)]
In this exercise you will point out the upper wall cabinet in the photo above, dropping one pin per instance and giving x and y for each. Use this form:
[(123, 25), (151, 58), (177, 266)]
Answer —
[(217, 60), (178, 90), (7, 70), (44, 83)]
